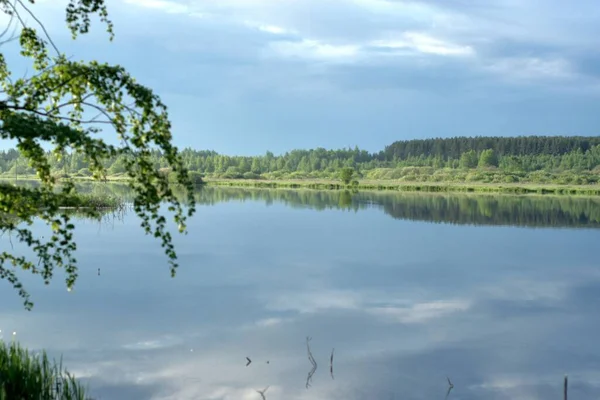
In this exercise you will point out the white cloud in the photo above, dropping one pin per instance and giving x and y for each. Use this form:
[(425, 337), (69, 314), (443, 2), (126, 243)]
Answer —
[(272, 29), (424, 43), (170, 7)]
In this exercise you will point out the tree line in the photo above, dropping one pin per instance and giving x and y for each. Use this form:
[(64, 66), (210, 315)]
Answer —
[(559, 159)]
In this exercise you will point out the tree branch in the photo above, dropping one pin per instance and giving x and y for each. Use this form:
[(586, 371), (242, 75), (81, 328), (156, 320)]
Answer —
[(4, 106), (40, 24)]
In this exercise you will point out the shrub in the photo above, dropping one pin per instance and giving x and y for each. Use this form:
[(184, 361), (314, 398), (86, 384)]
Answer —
[(196, 177)]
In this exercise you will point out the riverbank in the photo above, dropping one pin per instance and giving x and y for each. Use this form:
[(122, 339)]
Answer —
[(372, 185), (73, 201), (431, 187)]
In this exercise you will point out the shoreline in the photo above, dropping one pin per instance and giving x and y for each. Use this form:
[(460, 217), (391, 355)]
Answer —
[(521, 188), (426, 187)]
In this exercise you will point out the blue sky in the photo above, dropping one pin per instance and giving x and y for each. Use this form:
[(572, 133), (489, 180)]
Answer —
[(246, 76)]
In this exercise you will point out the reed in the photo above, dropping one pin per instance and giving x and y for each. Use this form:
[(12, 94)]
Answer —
[(26, 376)]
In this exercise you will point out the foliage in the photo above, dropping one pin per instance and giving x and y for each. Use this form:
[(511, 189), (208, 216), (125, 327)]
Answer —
[(579, 165), (468, 159), (50, 108), (488, 159), (33, 377), (346, 175), (502, 145)]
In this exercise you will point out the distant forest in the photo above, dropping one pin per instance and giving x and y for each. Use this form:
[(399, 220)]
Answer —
[(540, 159)]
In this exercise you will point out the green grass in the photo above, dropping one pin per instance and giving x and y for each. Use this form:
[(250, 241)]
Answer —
[(24, 376), (75, 201), (94, 201), (430, 187)]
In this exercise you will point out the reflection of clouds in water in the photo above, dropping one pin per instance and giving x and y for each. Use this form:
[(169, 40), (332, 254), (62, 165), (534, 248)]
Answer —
[(476, 350), (400, 320), (217, 371), (271, 322), (164, 342), (420, 312), (527, 289), (311, 301), (382, 305)]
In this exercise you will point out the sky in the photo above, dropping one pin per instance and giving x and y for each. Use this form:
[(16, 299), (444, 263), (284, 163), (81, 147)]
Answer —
[(247, 76)]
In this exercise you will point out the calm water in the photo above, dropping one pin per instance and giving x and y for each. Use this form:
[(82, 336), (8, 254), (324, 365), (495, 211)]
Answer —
[(501, 294)]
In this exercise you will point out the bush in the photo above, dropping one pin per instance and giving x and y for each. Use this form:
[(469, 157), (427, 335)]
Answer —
[(196, 177), (85, 172), (510, 179), (346, 175), (232, 173), (250, 175)]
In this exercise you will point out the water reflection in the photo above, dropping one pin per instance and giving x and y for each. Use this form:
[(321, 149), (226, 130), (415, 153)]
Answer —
[(503, 312), (531, 211), (461, 209)]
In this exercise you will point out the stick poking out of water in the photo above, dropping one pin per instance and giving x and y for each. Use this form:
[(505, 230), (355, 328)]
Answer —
[(566, 386), (312, 361), (262, 393), (331, 363), (450, 387)]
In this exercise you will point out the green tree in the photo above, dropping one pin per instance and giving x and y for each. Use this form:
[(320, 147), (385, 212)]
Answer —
[(346, 175), (255, 167), (49, 108), (468, 159), (488, 159)]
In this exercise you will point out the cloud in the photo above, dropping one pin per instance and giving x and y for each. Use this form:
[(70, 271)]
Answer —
[(365, 32), (170, 7), (272, 29), (423, 67), (424, 43)]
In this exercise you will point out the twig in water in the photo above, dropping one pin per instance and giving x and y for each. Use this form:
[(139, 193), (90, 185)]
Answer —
[(566, 386), (312, 361), (262, 393), (450, 387), (249, 361), (331, 364)]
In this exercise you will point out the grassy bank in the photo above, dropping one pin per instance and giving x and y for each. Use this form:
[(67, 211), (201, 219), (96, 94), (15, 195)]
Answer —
[(432, 187), (363, 184), (25, 376), (74, 201)]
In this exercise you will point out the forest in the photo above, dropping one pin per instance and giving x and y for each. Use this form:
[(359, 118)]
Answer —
[(571, 160)]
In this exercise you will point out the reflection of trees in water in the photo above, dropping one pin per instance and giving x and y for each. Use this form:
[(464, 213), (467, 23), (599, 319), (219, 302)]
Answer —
[(531, 211), (498, 210)]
